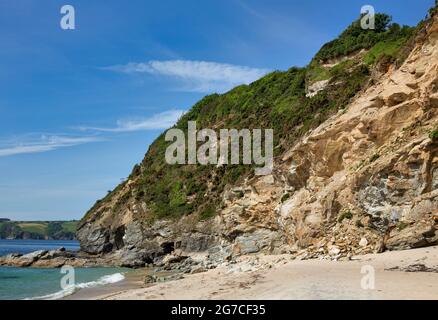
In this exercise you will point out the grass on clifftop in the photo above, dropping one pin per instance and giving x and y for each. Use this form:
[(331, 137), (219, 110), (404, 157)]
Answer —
[(354, 38)]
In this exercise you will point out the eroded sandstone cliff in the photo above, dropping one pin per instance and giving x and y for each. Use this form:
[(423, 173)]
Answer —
[(365, 180)]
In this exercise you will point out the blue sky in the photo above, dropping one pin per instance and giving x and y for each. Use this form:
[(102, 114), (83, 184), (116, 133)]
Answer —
[(80, 107)]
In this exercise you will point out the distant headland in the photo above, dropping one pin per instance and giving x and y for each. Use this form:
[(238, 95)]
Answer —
[(37, 230)]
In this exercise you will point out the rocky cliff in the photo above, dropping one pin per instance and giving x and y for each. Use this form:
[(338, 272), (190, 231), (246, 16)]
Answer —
[(356, 168)]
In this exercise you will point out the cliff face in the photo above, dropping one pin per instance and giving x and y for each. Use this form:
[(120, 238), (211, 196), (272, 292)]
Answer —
[(364, 180), (371, 173)]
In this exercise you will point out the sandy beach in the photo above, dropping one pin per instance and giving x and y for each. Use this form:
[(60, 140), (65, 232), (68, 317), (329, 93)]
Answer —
[(411, 274)]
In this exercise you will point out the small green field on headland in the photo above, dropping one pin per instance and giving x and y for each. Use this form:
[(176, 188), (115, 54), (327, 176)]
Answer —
[(38, 230)]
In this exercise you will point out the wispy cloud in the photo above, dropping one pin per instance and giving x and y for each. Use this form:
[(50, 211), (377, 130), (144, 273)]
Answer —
[(198, 76), (41, 143), (158, 121)]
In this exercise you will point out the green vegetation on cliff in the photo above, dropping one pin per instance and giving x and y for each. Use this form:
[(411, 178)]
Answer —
[(354, 39), (38, 230), (278, 101)]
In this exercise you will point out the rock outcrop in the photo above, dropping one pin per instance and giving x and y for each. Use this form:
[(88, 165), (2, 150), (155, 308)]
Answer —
[(53, 259)]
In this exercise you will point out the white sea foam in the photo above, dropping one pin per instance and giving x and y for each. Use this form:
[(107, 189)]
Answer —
[(113, 278)]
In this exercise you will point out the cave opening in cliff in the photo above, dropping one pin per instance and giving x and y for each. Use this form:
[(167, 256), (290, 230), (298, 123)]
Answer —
[(168, 247), (118, 237)]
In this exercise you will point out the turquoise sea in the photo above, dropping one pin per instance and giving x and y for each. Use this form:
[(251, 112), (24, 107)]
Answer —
[(30, 283)]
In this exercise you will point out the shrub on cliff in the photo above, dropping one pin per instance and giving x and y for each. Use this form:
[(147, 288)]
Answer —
[(433, 135), (354, 38)]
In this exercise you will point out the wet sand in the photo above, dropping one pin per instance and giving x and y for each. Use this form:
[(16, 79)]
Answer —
[(133, 280)]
